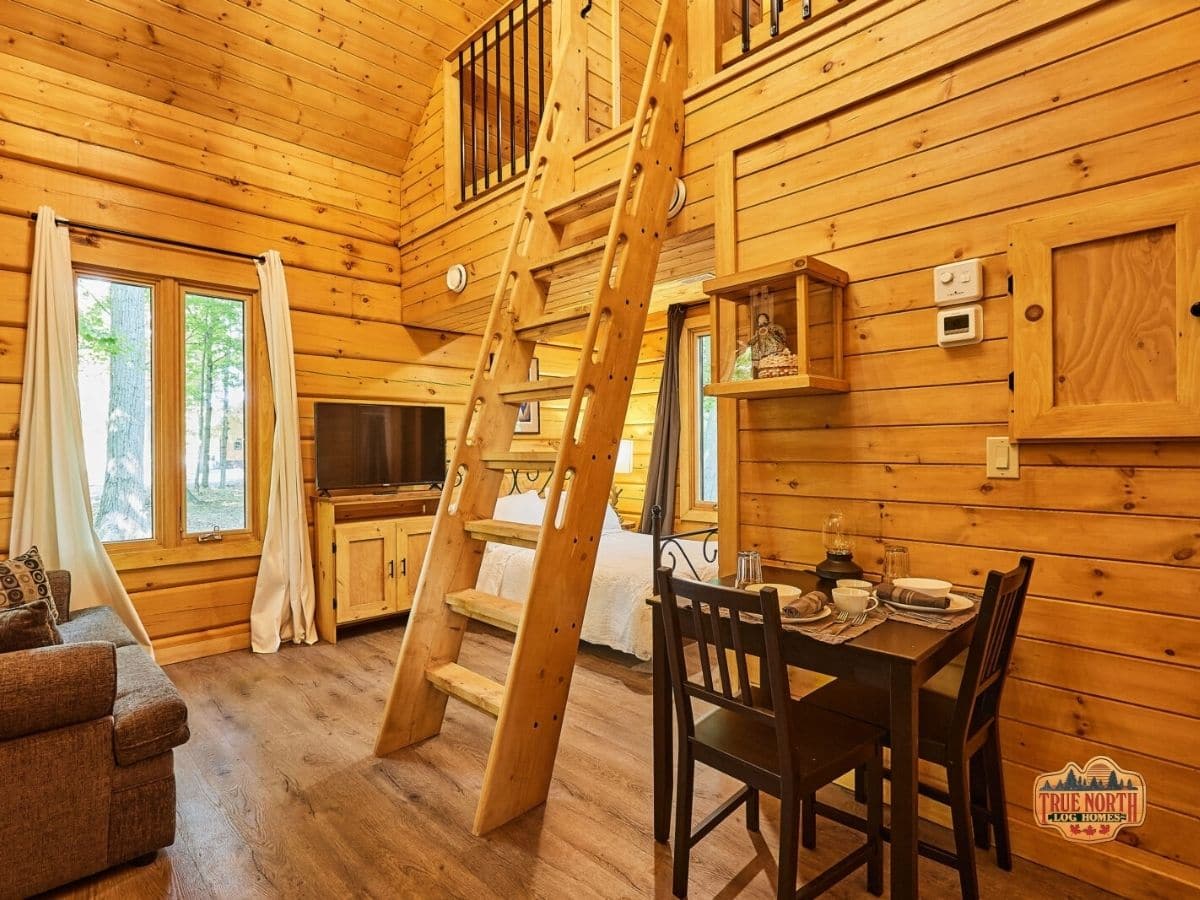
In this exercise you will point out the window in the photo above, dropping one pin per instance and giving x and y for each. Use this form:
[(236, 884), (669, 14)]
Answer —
[(698, 447), (165, 376), (705, 474)]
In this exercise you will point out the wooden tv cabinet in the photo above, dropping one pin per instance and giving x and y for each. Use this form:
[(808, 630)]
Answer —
[(370, 549)]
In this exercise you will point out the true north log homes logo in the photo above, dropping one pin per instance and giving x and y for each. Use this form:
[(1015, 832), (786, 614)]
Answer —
[(1089, 803)]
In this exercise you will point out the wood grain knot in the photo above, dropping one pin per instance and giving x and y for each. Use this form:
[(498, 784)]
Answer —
[(1035, 312)]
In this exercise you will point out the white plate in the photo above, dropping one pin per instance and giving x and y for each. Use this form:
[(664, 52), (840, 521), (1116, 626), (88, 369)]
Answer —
[(958, 603), (825, 610)]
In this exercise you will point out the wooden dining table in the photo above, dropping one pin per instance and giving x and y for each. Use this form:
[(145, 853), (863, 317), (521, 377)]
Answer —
[(894, 656)]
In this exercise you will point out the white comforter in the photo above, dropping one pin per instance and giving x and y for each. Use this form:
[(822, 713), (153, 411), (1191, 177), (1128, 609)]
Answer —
[(617, 615)]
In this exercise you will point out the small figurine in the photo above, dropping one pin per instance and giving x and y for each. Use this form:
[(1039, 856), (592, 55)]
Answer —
[(771, 355)]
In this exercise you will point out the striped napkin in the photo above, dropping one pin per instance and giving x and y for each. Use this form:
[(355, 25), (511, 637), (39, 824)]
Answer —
[(803, 607), (888, 591)]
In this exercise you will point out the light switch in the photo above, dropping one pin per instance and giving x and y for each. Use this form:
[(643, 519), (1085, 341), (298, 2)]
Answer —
[(1003, 458), (958, 282)]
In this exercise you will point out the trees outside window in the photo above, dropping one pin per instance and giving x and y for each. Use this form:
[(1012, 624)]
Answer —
[(215, 353), (163, 379), (115, 395)]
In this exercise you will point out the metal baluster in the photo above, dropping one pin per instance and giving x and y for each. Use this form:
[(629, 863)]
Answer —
[(525, 38), (745, 26), (776, 6), (499, 112), (487, 129), (541, 10), (512, 92), (806, 10), (474, 127), (462, 133)]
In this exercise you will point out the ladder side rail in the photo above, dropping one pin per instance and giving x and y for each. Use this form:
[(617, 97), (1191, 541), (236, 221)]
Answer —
[(415, 708), (521, 760)]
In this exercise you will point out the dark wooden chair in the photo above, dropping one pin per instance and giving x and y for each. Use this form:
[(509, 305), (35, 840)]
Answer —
[(760, 736), (959, 728)]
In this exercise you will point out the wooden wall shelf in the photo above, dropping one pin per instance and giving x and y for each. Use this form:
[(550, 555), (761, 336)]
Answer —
[(785, 317), (785, 386)]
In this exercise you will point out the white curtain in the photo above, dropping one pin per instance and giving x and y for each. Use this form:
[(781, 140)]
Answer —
[(52, 507), (284, 602)]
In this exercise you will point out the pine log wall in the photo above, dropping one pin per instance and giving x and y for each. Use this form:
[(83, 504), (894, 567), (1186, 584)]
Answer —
[(888, 137), (1001, 113), (248, 127)]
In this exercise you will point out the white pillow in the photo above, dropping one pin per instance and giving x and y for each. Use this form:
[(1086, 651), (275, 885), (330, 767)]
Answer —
[(526, 508), (612, 522)]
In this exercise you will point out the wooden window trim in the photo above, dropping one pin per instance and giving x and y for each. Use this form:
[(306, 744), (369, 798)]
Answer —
[(691, 508), (171, 543)]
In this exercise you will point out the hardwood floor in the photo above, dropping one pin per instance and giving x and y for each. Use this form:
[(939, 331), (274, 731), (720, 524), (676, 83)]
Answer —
[(280, 795)]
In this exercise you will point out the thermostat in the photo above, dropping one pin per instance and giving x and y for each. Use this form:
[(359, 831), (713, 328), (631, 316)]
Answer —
[(960, 325)]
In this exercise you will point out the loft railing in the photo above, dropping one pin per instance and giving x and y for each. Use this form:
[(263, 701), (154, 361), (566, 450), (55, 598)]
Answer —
[(499, 78), (741, 27)]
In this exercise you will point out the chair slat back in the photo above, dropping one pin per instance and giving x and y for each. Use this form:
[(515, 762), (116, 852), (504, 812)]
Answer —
[(991, 647), (716, 615)]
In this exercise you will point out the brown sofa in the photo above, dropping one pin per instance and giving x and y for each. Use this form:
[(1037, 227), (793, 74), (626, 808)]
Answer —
[(86, 736)]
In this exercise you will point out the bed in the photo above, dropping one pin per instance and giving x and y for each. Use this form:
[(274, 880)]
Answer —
[(617, 615)]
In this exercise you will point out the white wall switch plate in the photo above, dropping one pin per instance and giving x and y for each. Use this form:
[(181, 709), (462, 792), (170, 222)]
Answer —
[(958, 282), (1003, 458)]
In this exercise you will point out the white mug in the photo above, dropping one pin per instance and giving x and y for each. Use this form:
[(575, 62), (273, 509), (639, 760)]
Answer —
[(851, 601)]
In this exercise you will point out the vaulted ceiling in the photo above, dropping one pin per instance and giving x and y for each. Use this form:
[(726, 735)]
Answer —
[(350, 78)]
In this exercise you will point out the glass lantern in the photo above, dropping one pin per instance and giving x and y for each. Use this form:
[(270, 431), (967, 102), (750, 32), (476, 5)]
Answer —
[(838, 539)]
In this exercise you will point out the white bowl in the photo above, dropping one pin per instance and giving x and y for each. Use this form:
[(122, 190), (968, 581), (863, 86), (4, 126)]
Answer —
[(856, 583), (851, 600), (932, 587)]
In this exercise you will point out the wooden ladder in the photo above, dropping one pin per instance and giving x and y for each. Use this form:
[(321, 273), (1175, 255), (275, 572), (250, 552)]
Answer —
[(529, 705)]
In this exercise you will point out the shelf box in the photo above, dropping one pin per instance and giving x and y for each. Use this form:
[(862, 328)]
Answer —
[(778, 331)]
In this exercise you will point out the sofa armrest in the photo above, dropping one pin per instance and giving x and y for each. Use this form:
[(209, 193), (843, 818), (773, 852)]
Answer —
[(60, 587), (52, 687)]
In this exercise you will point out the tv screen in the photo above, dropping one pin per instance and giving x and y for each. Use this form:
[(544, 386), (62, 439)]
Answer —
[(360, 445)]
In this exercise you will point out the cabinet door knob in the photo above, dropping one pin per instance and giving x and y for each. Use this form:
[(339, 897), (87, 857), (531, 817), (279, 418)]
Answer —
[(1196, 309), (391, 568)]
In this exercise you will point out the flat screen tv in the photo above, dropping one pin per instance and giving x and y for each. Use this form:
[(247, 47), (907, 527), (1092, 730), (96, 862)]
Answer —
[(376, 446)]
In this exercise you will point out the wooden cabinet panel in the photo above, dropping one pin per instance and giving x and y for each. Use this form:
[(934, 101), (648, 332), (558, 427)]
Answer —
[(365, 570), (1106, 331), (414, 542)]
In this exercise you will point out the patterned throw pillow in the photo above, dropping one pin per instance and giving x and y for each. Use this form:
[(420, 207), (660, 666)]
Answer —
[(23, 580), (28, 627)]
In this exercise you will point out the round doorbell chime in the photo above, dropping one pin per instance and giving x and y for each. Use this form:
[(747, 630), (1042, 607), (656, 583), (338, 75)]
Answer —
[(677, 199), (456, 278)]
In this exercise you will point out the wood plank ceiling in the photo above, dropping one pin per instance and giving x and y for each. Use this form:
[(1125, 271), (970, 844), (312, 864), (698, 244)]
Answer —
[(350, 78)]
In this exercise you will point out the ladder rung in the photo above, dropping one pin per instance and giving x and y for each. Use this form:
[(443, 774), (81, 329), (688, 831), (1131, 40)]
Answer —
[(499, 532), (542, 389), (470, 687), (571, 254), (486, 608), (584, 203), (560, 321), (526, 460)]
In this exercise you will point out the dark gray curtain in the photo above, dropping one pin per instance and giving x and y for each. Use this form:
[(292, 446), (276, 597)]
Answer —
[(664, 450)]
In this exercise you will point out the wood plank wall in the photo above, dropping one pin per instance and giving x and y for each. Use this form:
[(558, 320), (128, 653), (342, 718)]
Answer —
[(94, 122), (330, 76), (887, 184), (889, 137)]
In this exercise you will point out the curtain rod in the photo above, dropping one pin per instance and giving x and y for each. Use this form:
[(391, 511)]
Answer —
[(156, 240)]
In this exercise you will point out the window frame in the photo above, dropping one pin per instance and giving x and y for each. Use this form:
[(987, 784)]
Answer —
[(691, 508), (170, 542)]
